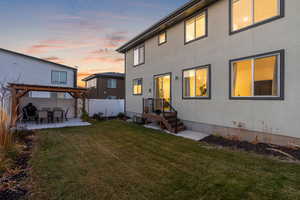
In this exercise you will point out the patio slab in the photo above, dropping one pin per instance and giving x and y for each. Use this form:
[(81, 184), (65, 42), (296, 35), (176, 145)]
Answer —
[(193, 135), (70, 123)]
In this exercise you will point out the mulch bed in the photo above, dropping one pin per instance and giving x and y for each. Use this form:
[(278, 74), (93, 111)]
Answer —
[(259, 148), (11, 183)]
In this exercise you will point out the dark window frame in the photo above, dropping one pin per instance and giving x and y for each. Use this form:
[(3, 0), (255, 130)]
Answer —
[(205, 11), (208, 66), (161, 43), (281, 82), (232, 32), (138, 47), (139, 94), (59, 82)]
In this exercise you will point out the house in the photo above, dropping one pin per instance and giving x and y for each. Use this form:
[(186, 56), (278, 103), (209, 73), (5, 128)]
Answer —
[(110, 85), (40, 82), (227, 67)]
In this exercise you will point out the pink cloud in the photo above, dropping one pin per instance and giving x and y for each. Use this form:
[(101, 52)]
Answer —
[(54, 59)]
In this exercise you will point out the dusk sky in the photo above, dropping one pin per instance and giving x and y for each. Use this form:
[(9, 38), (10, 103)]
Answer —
[(83, 33)]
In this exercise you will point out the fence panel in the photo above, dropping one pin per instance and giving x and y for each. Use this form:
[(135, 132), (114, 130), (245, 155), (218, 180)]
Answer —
[(109, 108)]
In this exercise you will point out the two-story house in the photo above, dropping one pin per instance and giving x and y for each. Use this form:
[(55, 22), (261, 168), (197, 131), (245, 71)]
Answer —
[(39, 77), (227, 67), (109, 85)]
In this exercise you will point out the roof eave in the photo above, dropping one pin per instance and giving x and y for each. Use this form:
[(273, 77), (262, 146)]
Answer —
[(163, 24)]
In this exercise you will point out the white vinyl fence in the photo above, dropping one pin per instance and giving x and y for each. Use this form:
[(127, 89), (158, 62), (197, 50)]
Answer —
[(109, 108)]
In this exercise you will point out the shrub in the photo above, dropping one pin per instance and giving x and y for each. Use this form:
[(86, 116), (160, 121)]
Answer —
[(85, 116), (121, 115), (6, 136), (98, 116)]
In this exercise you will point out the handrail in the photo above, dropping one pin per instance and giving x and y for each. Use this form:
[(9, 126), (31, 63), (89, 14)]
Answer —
[(149, 104)]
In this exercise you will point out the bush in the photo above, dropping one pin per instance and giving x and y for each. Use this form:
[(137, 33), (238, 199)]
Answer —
[(85, 116), (98, 116), (6, 136), (121, 115)]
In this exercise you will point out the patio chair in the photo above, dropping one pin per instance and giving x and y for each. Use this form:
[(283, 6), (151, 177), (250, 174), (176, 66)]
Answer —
[(66, 114), (43, 116), (58, 115)]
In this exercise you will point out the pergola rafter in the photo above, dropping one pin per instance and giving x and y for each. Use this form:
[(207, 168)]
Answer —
[(20, 90)]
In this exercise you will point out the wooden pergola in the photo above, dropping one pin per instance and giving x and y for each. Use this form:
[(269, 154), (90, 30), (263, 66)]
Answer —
[(20, 90)]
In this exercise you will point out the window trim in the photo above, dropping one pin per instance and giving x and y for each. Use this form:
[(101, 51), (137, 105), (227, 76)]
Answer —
[(205, 11), (140, 94), (163, 32), (59, 83), (208, 66), (281, 15), (281, 63), (138, 47)]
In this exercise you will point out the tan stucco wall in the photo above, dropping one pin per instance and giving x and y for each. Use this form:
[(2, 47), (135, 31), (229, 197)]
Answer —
[(277, 117)]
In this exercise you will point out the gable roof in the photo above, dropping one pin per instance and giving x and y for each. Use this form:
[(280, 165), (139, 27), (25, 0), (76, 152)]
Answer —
[(170, 20), (35, 58), (106, 74)]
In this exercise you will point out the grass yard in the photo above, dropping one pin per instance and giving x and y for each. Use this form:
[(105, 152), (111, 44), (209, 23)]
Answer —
[(116, 160)]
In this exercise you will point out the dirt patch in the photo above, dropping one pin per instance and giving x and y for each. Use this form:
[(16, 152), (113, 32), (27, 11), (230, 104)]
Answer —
[(259, 148), (11, 183)]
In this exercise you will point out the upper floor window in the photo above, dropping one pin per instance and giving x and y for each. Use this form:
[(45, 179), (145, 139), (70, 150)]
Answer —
[(162, 38), (139, 55), (137, 86), (91, 83), (196, 82), (258, 76), (195, 27), (247, 13), (112, 83), (59, 77)]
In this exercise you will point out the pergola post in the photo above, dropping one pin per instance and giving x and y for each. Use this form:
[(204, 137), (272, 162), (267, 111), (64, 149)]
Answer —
[(76, 107)]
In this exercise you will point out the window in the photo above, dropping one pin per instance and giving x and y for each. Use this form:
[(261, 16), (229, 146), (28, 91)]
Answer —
[(91, 83), (162, 38), (59, 77), (247, 13), (258, 76), (137, 87), (139, 55), (112, 83), (196, 82), (195, 28)]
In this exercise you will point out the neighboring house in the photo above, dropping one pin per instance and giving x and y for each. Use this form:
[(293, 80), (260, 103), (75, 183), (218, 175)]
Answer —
[(110, 85), (22, 69), (229, 67)]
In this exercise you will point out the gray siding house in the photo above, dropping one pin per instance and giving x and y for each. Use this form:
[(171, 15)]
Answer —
[(17, 68), (228, 67)]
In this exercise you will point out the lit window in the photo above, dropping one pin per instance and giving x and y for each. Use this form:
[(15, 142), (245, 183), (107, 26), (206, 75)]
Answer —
[(195, 27), (162, 38), (257, 76), (196, 82), (59, 77), (91, 83), (137, 87), (112, 83), (250, 12), (139, 55)]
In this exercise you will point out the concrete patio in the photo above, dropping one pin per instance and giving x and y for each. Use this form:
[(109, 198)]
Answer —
[(193, 135), (70, 123)]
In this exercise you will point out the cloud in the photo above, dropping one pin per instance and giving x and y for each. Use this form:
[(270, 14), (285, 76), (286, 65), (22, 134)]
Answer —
[(54, 59), (51, 45), (103, 60)]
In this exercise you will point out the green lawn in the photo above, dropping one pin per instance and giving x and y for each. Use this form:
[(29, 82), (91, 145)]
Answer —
[(117, 160)]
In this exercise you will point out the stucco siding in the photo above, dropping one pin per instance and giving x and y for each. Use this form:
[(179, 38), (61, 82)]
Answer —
[(272, 116)]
